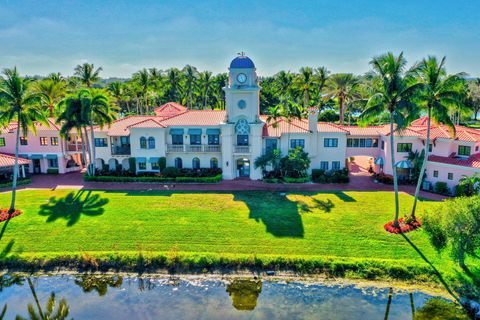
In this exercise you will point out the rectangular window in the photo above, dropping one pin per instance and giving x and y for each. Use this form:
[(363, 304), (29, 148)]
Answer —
[(330, 142), (177, 139), (101, 142), (270, 145), (54, 141), (362, 143), (213, 139), (375, 143), (450, 176), (349, 143), (430, 147), (404, 147), (43, 141), (335, 165), (2, 142), (368, 143), (155, 166), (53, 163), (435, 174), (297, 143), (464, 150), (195, 139), (242, 139), (356, 143), (142, 166), (383, 145), (23, 141), (324, 165)]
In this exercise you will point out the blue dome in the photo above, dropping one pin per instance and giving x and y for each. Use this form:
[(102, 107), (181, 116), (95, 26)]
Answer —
[(242, 62)]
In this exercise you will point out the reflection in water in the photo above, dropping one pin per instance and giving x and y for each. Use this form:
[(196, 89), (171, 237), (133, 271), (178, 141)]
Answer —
[(244, 293), (436, 308), (112, 297), (99, 283)]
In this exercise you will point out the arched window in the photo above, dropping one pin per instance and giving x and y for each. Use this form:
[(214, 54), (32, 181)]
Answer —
[(196, 163), (178, 163), (143, 143), (214, 163), (151, 143)]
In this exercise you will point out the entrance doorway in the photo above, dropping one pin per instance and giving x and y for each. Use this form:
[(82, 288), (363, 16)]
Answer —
[(36, 166), (243, 168)]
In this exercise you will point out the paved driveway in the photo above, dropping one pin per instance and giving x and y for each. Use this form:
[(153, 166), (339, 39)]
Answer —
[(75, 181)]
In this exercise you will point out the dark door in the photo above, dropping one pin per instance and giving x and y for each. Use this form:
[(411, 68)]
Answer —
[(36, 166)]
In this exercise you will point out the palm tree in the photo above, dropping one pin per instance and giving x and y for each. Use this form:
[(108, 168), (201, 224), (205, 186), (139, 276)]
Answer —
[(393, 95), (55, 77), (51, 92), (142, 78), (22, 106), (117, 91), (305, 83), (343, 86), (190, 75), (87, 74), (206, 83), (322, 75), (439, 93), (220, 81), (172, 81), (283, 84)]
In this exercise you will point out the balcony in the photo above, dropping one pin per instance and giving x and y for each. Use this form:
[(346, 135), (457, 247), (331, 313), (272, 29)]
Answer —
[(193, 148), (242, 149), (121, 150)]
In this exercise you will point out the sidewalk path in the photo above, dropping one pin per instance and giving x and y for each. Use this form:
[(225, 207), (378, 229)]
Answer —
[(75, 181)]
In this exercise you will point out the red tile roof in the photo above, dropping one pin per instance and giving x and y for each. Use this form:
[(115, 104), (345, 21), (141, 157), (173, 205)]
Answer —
[(366, 131), (473, 161), (121, 127), (8, 160), (170, 109), (149, 123), (50, 126), (196, 118), (279, 126)]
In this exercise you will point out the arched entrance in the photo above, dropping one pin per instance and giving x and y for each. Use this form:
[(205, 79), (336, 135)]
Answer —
[(243, 167)]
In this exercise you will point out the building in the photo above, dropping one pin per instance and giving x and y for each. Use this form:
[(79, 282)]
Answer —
[(234, 138), (46, 149)]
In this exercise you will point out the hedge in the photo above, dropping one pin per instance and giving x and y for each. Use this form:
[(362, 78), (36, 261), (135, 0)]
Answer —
[(52, 171), (19, 183), (214, 179), (296, 180)]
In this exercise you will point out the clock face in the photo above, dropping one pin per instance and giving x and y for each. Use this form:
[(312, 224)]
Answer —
[(242, 104), (241, 77)]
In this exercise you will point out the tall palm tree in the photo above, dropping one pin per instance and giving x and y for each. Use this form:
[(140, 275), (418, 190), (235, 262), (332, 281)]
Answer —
[(321, 75), (206, 83), (394, 95), (343, 86), (190, 75), (51, 92), (117, 91), (55, 77), (283, 84), (20, 105), (172, 81), (439, 93), (305, 83), (87, 74), (220, 81), (142, 78)]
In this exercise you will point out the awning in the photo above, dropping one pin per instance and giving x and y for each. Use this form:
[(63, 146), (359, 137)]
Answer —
[(379, 161), (213, 131), (404, 164), (23, 155), (141, 159), (52, 156), (194, 131), (154, 160), (36, 156), (176, 131)]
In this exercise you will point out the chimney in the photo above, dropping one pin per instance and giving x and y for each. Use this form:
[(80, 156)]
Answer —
[(312, 119)]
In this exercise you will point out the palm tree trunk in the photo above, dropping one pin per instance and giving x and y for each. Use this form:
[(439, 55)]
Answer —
[(389, 303), (35, 297), (340, 102), (424, 166), (15, 170), (94, 151), (394, 171), (87, 143)]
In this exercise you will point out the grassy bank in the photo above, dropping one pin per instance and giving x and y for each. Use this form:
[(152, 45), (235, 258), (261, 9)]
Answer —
[(338, 233)]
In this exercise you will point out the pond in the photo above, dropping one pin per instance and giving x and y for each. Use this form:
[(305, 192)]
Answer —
[(116, 297)]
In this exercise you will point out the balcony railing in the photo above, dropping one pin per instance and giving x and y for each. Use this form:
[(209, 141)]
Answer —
[(242, 149), (121, 150), (74, 147), (193, 148)]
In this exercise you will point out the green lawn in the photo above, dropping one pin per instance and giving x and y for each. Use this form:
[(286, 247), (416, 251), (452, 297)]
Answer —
[(347, 225)]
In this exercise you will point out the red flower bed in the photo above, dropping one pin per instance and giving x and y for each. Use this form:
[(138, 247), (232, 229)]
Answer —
[(403, 226), (5, 216)]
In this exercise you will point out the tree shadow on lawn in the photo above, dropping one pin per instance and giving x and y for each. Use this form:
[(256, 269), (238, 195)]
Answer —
[(279, 214), (325, 206), (72, 206)]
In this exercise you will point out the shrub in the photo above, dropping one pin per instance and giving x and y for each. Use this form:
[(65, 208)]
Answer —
[(162, 163), (317, 174), (52, 171), (337, 176), (296, 180), (271, 180), (171, 172), (441, 187), (153, 179), (384, 178), (19, 183)]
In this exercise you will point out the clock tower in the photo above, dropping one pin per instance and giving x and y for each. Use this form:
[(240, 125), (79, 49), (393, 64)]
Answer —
[(242, 94)]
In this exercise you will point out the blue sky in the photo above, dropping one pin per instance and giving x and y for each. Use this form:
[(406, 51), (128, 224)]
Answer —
[(124, 36)]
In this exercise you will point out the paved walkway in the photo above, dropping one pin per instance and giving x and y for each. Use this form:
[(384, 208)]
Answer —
[(75, 181)]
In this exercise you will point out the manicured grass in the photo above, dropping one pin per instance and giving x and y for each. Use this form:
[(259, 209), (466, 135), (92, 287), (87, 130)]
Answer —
[(339, 225)]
